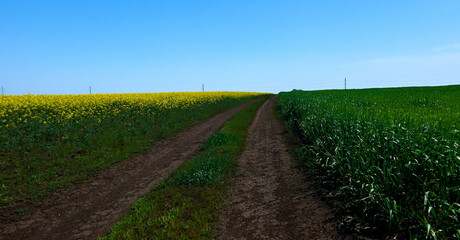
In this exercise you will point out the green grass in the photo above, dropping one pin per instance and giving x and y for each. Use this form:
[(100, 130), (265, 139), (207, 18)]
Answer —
[(186, 205), (393, 154), (33, 171)]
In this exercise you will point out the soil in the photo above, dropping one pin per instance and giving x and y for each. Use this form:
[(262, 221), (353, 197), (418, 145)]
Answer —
[(88, 210), (269, 197)]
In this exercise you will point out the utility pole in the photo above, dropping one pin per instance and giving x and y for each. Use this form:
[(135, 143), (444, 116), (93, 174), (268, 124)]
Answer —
[(2, 91), (89, 89), (345, 83), (202, 87)]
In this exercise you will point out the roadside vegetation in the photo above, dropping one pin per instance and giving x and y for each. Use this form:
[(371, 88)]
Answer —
[(50, 141), (186, 205), (393, 154)]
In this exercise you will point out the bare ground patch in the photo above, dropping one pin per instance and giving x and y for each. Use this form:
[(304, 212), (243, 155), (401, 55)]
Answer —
[(270, 198)]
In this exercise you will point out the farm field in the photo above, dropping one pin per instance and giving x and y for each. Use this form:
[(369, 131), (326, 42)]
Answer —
[(391, 154), (218, 165), (50, 141)]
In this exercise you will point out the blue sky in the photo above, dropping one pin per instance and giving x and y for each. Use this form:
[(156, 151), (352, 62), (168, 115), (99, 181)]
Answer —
[(63, 47)]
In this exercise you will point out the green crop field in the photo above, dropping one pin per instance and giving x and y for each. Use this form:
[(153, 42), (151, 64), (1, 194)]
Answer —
[(392, 153)]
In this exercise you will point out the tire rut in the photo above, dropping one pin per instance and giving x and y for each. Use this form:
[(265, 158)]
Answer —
[(88, 210), (269, 197)]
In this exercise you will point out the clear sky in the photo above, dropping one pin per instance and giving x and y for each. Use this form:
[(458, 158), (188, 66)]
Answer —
[(65, 46)]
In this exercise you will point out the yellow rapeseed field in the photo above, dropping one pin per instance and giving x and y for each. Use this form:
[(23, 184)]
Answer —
[(27, 119), (49, 141)]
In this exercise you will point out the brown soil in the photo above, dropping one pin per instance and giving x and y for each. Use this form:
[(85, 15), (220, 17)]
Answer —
[(88, 210), (269, 198)]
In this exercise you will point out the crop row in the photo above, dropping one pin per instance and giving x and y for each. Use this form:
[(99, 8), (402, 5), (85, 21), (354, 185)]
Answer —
[(392, 153)]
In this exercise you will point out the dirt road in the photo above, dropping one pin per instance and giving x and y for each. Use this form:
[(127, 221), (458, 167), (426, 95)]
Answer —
[(88, 210), (269, 198)]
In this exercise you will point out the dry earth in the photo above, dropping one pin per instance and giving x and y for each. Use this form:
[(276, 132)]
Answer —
[(269, 197), (87, 210)]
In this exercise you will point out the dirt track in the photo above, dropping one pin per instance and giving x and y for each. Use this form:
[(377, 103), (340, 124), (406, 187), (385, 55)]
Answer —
[(88, 210), (269, 198)]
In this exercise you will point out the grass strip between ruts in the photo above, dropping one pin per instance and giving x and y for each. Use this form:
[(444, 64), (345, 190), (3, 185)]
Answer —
[(186, 205)]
